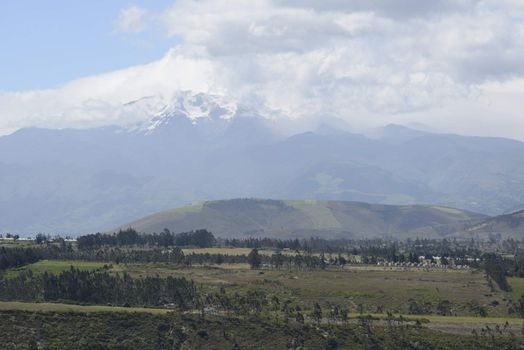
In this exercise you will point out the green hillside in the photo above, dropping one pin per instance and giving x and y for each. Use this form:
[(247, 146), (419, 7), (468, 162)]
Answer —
[(305, 218)]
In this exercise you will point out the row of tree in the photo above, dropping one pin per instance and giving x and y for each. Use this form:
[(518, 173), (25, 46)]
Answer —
[(100, 287), (388, 249), (15, 257), (130, 237)]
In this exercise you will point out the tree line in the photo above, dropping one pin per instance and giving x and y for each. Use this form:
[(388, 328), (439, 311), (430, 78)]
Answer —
[(100, 287), (15, 257), (130, 237), (388, 249)]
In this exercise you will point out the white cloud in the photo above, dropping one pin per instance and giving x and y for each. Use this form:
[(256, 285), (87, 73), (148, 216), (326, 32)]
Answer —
[(100, 100), (131, 20), (368, 62)]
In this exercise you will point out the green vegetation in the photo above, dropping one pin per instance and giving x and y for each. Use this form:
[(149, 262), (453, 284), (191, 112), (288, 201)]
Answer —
[(101, 330), (100, 287), (376, 289), (55, 267), (517, 287), (230, 251), (59, 307), (329, 219), (316, 293), (129, 237)]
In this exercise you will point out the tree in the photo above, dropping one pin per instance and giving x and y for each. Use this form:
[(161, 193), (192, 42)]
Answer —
[(277, 260), (317, 313), (254, 259), (41, 238), (299, 318), (521, 306), (494, 267), (344, 315), (444, 307)]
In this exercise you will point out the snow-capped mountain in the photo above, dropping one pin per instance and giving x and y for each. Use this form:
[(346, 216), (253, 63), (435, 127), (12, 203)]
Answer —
[(159, 112), (195, 147)]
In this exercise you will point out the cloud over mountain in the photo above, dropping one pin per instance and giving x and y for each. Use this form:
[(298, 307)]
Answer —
[(443, 63)]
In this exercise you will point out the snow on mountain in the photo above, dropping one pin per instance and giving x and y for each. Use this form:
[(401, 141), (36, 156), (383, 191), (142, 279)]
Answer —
[(159, 112)]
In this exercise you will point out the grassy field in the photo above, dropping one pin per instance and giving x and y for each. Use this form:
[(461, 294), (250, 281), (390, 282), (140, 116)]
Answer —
[(233, 251), (218, 250), (371, 289), (60, 307), (517, 287), (57, 307), (104, 330), (375, 288), (450, 324), (18, 243), (55, 266)]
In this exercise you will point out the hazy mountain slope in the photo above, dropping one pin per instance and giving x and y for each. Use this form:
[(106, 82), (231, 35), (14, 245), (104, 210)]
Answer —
[(201, 148), (256, 217), (481, 174), (507, 226)]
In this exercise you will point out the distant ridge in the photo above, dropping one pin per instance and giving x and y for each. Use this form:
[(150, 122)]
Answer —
[(504, 226), (305, 218), (78, 181)]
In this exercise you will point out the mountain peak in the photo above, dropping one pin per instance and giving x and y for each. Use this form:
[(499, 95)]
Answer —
[(397, 132), (185, 105)]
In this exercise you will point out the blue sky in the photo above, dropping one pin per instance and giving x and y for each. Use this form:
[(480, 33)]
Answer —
[(44, 44)]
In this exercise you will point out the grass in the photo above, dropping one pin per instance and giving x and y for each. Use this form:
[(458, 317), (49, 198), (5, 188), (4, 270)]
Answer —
[(57, 307), (60, 307), (370, 286), (55, 266), (375, 288), (9, 243), (517, 287), (233, 251), (318, 211), (218, 250)]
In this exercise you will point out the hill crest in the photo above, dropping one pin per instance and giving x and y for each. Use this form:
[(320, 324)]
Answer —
[(305, 218)]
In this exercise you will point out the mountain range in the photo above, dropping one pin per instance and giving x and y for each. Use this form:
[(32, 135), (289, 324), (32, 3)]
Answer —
[(200, 148)]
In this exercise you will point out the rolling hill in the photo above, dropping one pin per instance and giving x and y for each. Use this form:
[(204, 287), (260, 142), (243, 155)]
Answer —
[(305, 218), (505, 226)]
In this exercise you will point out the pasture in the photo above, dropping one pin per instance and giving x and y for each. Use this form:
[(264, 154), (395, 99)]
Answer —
[(361, 289), (371, 289), (59, 307), (56, 266), (233, 251)]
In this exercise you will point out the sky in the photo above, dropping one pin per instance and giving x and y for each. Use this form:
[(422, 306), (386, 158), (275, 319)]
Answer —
[(449, 65), (44, 44)]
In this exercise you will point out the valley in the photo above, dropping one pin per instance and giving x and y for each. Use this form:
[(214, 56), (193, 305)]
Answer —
[(334, 287), (270, 174)]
